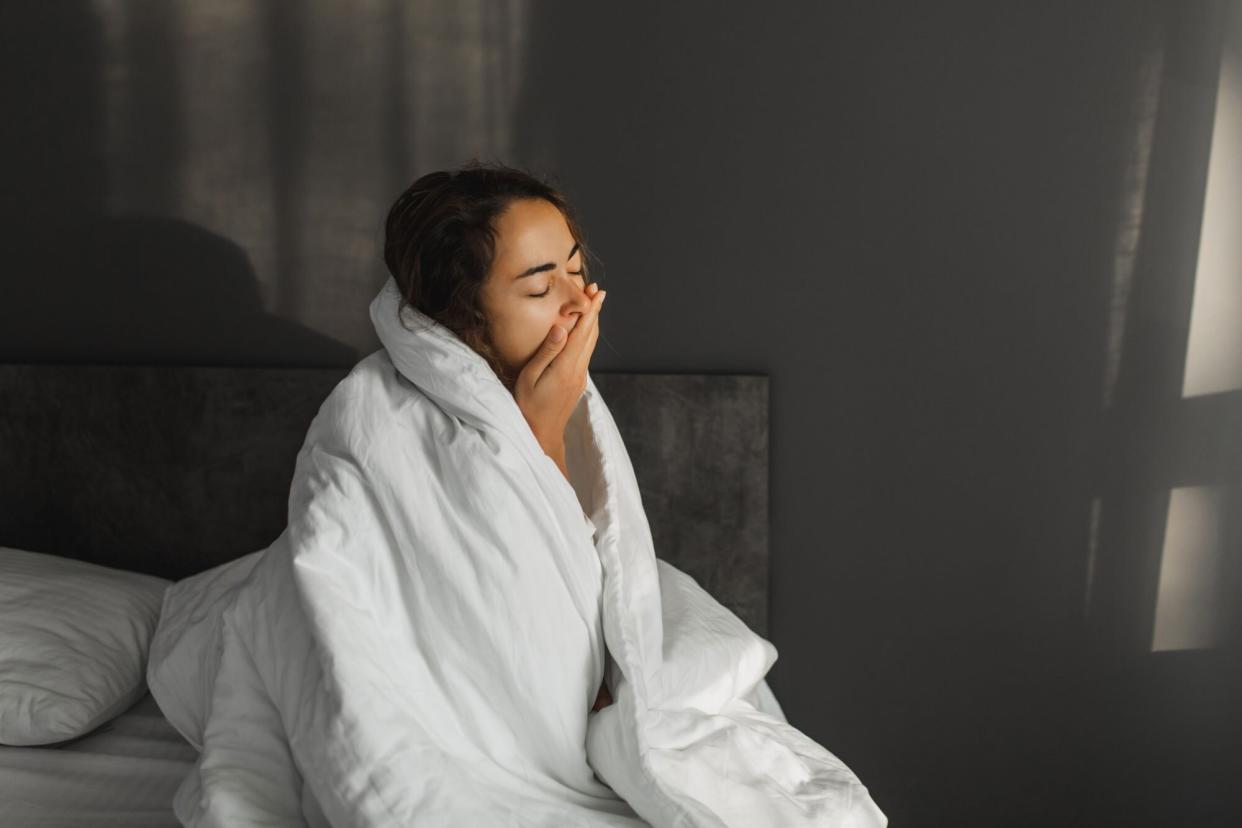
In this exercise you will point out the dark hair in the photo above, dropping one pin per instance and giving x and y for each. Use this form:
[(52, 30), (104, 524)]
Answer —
[(440, 241)]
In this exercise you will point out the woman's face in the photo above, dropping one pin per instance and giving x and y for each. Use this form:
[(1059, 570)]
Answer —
[(535, 282)]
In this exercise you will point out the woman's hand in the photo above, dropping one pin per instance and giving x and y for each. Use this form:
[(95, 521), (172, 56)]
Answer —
[(551, 383)]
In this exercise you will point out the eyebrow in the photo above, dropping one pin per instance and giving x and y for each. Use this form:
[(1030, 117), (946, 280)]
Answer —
[(547, 265)]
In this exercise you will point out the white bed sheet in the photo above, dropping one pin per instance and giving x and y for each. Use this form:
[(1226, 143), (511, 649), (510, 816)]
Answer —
[(124, 773)]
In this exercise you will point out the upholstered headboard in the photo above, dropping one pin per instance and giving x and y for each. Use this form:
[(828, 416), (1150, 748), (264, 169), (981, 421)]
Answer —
[(173, 469)]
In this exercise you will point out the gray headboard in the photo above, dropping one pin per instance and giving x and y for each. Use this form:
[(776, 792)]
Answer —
[(173, 469)]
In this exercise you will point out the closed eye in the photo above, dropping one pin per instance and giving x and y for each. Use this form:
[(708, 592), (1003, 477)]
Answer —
[(549, 287)]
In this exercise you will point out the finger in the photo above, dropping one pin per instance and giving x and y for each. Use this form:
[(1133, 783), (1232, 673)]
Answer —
[(588, 348), (570, 359), (584, 358), (553, 344), (591, 316), (578, 336)]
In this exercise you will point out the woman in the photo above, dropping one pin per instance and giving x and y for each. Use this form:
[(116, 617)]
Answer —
[(497, 257), (467, 564)]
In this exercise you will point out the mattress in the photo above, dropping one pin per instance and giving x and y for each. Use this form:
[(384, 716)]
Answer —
[(124, 773)]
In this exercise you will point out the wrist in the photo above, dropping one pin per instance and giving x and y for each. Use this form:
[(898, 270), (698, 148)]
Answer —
[(556, 450), (552, 446)]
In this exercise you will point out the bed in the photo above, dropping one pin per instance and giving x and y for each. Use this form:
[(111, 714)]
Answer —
[(122, 775), (170, 470)]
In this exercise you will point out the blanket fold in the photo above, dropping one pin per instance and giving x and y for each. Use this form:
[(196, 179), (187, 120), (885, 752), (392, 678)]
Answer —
[(423, 643)]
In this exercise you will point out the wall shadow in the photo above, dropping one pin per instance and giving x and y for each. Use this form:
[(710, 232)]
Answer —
[(85, 286), (146, 290)]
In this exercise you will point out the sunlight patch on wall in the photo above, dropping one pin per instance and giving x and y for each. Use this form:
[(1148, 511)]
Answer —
[(1137, 161), (1093, 549), (1189, 605), (1214, 350)]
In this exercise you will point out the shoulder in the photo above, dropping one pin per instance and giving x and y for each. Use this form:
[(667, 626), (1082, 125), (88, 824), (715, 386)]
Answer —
[(373, 381), (368, 405)]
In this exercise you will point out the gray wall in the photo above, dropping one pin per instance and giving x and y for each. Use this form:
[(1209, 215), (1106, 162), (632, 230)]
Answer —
[(921, 220)]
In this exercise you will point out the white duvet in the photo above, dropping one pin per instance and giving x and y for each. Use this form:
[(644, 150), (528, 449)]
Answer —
[(423, 643)]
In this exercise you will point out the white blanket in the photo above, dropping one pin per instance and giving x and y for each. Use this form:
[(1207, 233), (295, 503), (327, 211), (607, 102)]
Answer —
[(423, 643)]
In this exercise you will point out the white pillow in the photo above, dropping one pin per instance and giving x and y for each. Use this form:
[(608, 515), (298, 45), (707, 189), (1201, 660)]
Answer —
[(74, 638)]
